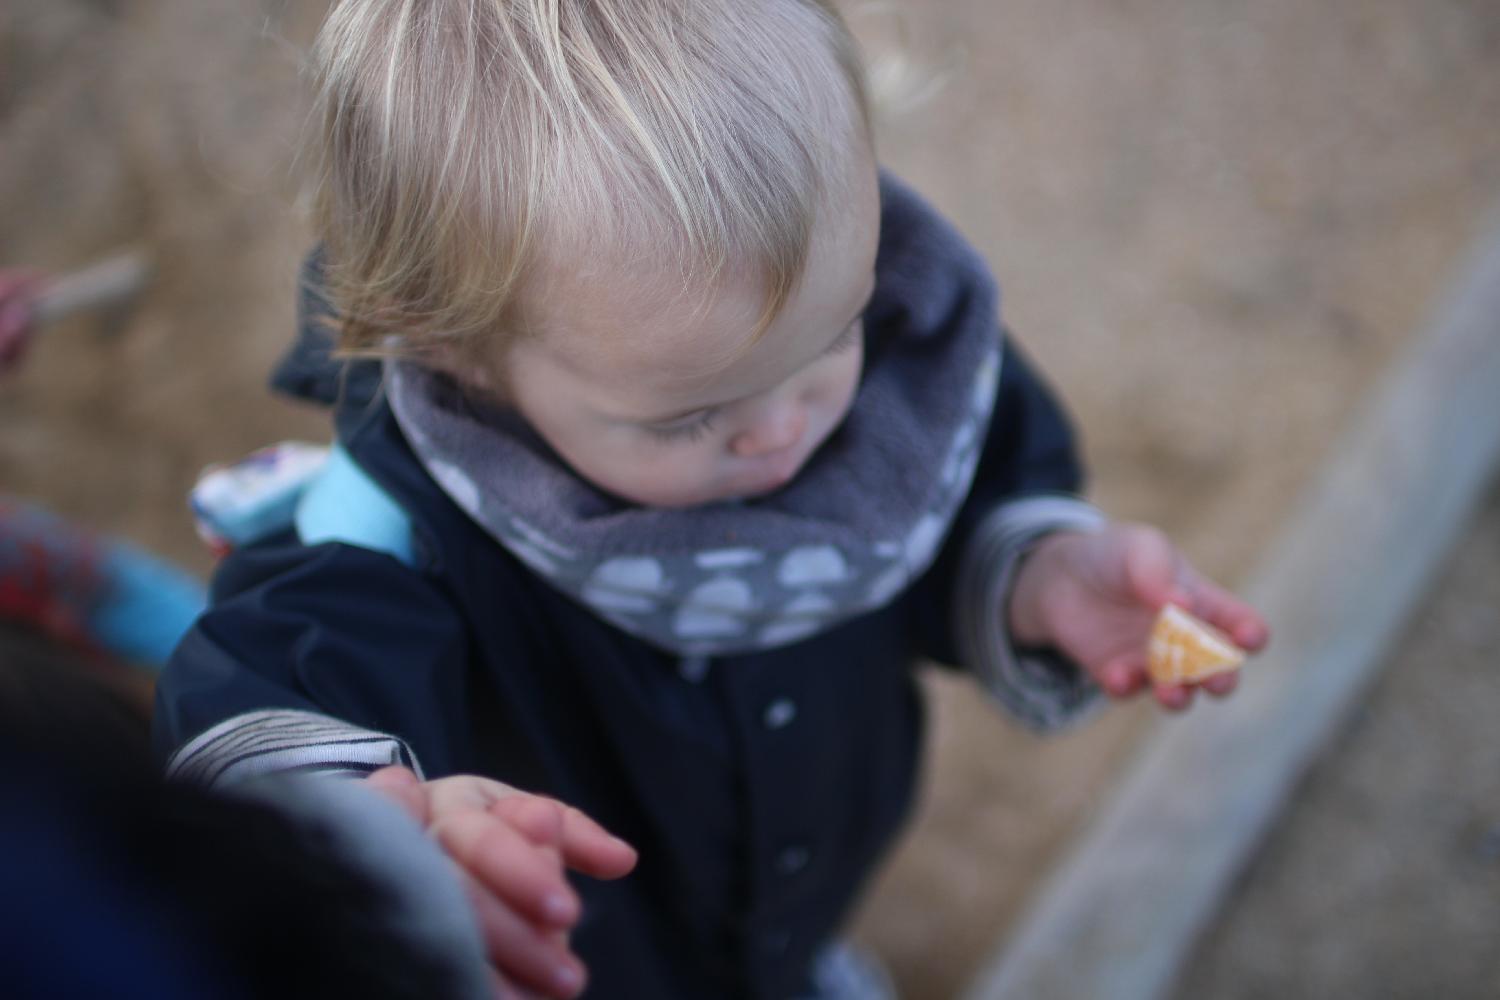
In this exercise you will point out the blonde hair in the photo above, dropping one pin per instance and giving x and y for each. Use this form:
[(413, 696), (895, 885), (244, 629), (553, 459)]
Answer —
[(469, 143)]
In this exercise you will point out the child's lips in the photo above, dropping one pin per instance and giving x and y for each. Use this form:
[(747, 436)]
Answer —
[(772, 472)]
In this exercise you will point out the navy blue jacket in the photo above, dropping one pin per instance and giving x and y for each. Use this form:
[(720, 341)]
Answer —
[(760, 792)]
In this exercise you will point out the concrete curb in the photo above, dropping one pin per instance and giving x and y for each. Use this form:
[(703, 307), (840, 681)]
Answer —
[(1120, 917)]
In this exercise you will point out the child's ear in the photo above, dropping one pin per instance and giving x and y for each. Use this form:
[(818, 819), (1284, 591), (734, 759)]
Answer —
[(468, 367), (461, 365)]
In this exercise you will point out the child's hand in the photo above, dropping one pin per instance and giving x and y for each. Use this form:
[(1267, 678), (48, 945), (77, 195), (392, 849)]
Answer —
[(514, 847), (17, 323), (1095, 597)]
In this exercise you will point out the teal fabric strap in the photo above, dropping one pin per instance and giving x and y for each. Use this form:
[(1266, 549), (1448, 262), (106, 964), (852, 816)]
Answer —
[(343, 504), (148, 605)]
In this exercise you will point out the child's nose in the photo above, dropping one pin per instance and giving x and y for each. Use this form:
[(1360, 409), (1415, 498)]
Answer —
[(773, 430)]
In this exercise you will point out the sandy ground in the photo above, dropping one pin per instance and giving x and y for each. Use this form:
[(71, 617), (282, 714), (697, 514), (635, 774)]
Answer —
[(1214, 222), (1383, 878)]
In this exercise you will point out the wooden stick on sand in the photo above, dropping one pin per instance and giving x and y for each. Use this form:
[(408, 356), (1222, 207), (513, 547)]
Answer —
[(109, 282)]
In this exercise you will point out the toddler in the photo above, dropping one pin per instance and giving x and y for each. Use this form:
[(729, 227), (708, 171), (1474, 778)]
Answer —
[(670, 435)]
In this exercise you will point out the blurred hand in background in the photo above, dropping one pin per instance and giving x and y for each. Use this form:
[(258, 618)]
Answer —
[(18, 291)]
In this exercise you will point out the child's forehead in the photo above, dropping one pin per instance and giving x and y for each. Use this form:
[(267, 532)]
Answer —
[(649, 329), (660, 327), (647, 357)]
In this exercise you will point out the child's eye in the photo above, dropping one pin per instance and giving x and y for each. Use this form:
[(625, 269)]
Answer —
[(692, 430)]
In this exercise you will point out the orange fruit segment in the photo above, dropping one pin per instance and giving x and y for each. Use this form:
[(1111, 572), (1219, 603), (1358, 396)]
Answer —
[(1185, 650)]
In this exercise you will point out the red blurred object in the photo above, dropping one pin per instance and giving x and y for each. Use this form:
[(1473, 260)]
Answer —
[(50, 575), (18, 291)]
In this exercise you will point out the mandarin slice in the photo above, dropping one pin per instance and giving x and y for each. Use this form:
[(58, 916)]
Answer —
[(1185, 650)]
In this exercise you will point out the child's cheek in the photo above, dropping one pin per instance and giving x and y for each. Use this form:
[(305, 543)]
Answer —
[(843, 386), (655, 473)]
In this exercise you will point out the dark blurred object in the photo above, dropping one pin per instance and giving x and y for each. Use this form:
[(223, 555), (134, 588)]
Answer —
[(120, 885), (61, 703)]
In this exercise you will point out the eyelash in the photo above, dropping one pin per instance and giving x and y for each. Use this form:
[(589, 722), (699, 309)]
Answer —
[(694, 431), (700, 427)]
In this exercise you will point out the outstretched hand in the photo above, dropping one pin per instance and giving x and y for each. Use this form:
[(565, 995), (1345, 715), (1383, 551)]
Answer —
[(1094, 597), (514, 849), (18, 290)]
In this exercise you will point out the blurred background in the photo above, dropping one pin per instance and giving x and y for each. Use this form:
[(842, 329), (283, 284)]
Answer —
[(1215, 223)]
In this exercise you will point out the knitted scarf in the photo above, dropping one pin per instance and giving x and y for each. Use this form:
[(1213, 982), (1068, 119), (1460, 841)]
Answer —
[(862, 520)]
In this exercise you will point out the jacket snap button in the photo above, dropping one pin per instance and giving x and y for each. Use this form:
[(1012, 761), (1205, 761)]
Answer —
[(792, 860), (693, 668), (780, 713), (777, 942)]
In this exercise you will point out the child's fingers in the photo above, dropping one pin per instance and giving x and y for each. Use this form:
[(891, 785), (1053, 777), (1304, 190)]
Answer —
[(401, 786), (1126, 676), (1228, 613), (539, 819), (1152, 564), (585, 845), (526, 957), (593, 850), (1220, 685), (501, 989), (15, 335), (1173, 697), (527, 877), (1242, 622), (1123, 676), (17, 315), (516, 993)]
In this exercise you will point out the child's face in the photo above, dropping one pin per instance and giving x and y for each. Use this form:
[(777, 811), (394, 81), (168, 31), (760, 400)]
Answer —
[(666, 402)]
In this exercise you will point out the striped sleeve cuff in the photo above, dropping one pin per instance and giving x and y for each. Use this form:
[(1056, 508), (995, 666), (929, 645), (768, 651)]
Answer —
[(281, 741), (1041, 688)]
